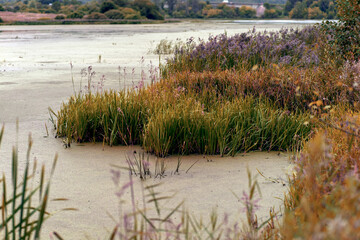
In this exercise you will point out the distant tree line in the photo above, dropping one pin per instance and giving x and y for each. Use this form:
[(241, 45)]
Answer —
[(310, 9), (159, 9), (104, 9)]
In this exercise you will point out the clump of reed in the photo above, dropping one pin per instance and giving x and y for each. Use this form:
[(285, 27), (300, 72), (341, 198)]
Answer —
[(164, 124), (237, 126), (111, 117), (21, 217)]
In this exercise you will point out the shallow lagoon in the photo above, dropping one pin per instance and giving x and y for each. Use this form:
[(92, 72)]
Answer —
[(35, 73)]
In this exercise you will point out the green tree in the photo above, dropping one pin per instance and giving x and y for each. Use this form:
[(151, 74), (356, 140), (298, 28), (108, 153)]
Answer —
[(171, 5), (75, 15), (346, 32), (148, 9), (56, 6), (270, 13), (247, 12), (115, 14), (106, 6), (316, 13), (289, 5), (299, 11), (324, 5)]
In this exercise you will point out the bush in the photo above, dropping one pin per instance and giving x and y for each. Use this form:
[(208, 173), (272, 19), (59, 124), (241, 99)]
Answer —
[(96, 15), (2, 8), (115, 14), (299, 11), (179, 14), (246, 12), (60, 17), (345, 34), (75, 15), (1, 21), (106, 6), (213, 13), (32, 10), (133, 17), (148, 9), (49, 11), (56, 6), (316, 13), (270, 13)]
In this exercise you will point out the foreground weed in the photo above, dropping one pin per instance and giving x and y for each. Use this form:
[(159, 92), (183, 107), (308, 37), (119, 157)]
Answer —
[(324, 192), (20, 218)]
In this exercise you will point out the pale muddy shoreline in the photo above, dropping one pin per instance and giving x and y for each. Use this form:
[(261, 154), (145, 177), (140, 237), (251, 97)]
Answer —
[(35, 74)]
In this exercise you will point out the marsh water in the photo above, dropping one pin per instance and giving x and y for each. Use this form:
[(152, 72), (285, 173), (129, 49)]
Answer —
[(38, 65)]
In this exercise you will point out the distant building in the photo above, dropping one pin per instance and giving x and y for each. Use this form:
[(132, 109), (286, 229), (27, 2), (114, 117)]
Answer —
[(260, 11)]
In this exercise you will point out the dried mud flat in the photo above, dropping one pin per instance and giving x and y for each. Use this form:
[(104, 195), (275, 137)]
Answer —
[(35, 74)]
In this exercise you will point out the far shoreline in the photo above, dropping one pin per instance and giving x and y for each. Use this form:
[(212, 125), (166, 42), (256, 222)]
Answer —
[(46, 19)]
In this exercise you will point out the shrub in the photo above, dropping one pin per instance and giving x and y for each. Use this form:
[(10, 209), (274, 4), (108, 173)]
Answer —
[(148, 9), (1, 21), (345, 34), (130, 13), (32, 10), (179, 14), (246, 12), (133, 17), (114, 14), (299, 11), (49, 11), (75, 15), (316, 13), (270, 13), (2, 8), (96, 15), (213, 13), (106, 6), (60, 17)]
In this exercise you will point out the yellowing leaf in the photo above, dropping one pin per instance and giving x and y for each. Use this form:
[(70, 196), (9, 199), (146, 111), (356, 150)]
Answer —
[(319, 103), (275, 66), (311, 104), (255, 67)]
